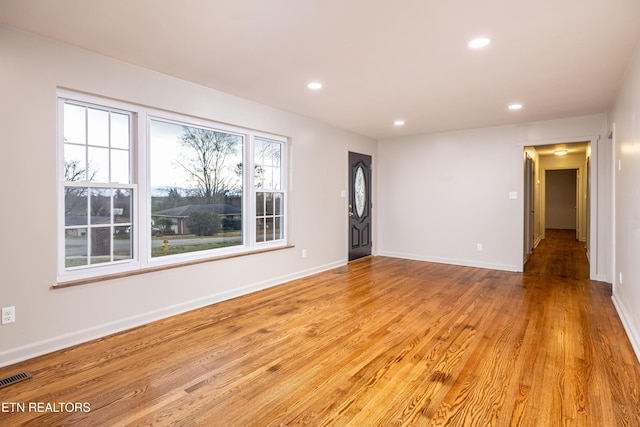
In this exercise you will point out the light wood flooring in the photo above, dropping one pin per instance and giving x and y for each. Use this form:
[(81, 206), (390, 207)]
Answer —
[(380, 342)]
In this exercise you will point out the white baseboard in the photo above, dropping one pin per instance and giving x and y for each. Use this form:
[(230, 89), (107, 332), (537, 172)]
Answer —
[(461, 262), (629, 328), (19, 354)]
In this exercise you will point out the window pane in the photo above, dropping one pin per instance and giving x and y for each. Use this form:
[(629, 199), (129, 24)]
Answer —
[(268, 174), (277, 203), (277, 153), (268, 199), (196, 188), (258, 173), (259, 151), (120, 166), (267, 178), (122, 244), (75, 130), (275, 180), (98, 168), (75, 163), (120, 131), (277, 228), (100, 206), (98, 126), (100, 244), (75, 206), (258, 176), (260, 204), (122, 205), (75, 247), (260, 232), (268, 225), (267, 153)]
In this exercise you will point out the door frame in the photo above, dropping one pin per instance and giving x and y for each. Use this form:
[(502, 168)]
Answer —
[(529, 205), (593, 202)]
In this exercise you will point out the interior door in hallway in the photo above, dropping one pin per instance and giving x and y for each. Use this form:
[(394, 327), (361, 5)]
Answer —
[(529, 206), (359, 206), (561, 201)]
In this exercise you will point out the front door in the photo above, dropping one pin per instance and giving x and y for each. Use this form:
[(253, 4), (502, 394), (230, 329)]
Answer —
[(359, 205)]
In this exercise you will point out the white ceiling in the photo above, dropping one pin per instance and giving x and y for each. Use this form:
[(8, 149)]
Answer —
[(379, 60)]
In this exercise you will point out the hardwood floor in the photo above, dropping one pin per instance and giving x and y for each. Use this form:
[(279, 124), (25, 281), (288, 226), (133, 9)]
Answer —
[(380, 342)]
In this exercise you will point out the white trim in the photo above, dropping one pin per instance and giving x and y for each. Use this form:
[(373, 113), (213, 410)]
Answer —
[(614, 173), (60, 342), (627, 323)]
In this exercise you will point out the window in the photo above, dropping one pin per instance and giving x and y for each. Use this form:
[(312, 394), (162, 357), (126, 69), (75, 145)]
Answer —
[(98, 193), (269, 194), (196, 188), (141, 188)]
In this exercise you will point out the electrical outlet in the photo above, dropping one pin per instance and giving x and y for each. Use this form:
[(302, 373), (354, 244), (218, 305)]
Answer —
[(8, 315), (304, 253), (479, 247)]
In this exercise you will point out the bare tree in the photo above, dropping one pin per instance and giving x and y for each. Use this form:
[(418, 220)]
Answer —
[(207, 166), (73, 172)]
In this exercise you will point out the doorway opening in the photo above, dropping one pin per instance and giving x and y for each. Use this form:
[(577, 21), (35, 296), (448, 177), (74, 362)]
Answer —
[(556, 192), (561, 200)]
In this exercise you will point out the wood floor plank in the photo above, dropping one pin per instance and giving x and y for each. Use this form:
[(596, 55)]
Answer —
[(381, 342)]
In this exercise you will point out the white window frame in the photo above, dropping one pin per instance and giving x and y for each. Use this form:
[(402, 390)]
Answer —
[(282, 190), (140, 182)]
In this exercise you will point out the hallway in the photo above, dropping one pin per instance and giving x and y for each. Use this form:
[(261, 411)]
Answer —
[(559, 256)]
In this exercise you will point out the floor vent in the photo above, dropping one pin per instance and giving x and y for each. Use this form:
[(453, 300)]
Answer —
[(342, 271), (4, 382)]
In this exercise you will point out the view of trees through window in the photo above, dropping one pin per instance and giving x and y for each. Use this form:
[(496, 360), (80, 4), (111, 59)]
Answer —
[(196, 188)]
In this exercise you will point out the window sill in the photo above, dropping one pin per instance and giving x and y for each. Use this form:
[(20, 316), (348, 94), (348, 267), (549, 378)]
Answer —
[(71, 283)]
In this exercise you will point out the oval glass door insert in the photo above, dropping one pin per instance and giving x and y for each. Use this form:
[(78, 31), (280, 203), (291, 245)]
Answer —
[(359, 187)]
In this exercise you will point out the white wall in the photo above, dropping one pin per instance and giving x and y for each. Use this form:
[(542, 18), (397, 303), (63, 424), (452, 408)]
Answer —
[(31, 70), (626, 174), (441, 195)]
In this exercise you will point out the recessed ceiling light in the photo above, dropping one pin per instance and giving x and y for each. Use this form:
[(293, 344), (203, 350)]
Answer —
[(561, 152), (479, 42), (314, 85), (514, 107), (398, 123)]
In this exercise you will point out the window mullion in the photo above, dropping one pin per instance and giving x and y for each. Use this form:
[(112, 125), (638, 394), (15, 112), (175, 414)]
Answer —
[(142, 243), (250, 198)]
